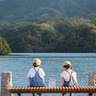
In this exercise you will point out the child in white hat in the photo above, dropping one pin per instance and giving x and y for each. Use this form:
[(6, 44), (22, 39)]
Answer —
[(36, 74), (68, 76)]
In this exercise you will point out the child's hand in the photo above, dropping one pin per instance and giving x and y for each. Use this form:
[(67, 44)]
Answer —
[(77, 85)]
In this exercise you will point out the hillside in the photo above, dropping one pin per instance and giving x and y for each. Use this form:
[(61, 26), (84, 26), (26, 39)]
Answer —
[(28, 10), (52, 35)]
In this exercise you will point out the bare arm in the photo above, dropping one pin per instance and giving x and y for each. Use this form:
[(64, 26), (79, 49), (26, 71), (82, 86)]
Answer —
[(75, 80), (29, 81), (43, 79), (62, 81)]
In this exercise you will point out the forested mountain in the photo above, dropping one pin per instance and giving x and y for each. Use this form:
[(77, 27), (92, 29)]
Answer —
[(52, 35), (12, 10), (49, 25)]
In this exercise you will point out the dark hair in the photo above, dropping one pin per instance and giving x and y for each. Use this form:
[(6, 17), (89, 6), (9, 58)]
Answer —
[(67, 66), (34, 64)]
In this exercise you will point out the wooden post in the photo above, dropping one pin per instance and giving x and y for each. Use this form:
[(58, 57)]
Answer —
[(39, 94), (33, 94), (19, 94), (92, 81), (6, 82), (90, 94)]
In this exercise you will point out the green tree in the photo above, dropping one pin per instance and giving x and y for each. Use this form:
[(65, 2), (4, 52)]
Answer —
[(4, 47)]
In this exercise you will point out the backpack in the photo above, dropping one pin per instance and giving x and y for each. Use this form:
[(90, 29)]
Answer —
[(36, 81), (70, 82)]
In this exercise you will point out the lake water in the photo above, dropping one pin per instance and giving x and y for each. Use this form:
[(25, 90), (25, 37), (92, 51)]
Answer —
[(52, 64)]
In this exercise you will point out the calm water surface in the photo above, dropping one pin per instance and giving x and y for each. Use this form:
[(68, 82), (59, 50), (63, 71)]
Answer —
[(52, 63)]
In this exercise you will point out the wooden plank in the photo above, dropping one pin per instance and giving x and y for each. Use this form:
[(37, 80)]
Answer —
[(58, 89), (32, 89), (46, 89), (61, 88), (54, 90)]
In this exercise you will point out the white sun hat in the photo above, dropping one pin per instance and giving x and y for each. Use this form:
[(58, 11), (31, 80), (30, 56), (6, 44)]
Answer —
[(66, 63), (37, 61)]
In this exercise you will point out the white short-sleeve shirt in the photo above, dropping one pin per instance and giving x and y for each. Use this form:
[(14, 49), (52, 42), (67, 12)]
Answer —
[(67, 76), (31, 72)]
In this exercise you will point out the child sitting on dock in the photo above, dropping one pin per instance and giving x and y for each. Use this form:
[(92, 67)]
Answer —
[(69, 77), (36, 74)]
